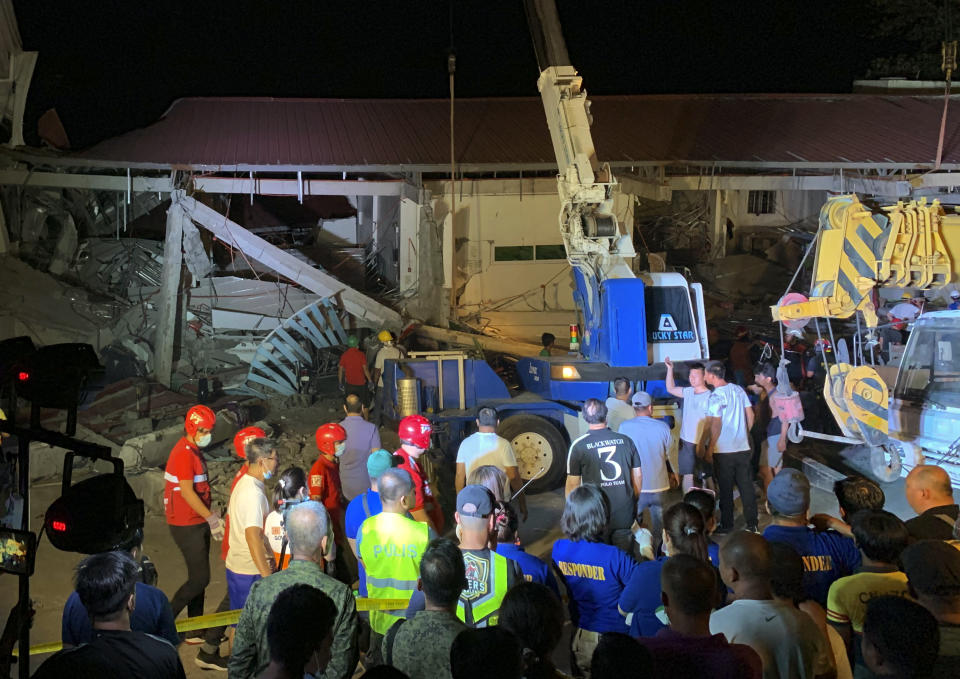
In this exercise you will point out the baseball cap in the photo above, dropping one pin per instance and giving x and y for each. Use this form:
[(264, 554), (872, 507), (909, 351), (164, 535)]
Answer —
[(475, 501), (378, 462), (789, 493), (933, 567), (641, 399)]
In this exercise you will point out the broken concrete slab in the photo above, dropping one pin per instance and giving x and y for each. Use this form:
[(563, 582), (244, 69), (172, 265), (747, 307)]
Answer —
[(149, 486), (366, 310)]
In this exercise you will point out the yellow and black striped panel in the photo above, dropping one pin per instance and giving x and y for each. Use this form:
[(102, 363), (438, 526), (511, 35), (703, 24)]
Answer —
[(852, 240), (866, 398)]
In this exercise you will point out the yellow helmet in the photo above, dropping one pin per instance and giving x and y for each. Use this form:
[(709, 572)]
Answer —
[(385, 336)]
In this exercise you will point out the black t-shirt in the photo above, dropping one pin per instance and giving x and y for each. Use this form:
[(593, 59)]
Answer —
[(605, 458), (115, 655), (931, 525)]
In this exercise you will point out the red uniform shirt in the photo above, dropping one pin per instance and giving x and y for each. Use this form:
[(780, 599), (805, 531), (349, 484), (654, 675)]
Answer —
[(353, 361), (421, 489), (324, 484), (225, 545), (185, 462)]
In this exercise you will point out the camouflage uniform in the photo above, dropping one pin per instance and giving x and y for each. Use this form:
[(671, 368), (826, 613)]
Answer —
[(250, 651), (421, 647)]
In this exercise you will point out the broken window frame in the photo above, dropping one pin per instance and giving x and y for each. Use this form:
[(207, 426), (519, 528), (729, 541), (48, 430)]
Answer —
[(762, 202)]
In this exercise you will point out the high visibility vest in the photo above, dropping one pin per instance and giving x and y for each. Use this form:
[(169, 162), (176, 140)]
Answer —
[(391, 547), (484, 595)]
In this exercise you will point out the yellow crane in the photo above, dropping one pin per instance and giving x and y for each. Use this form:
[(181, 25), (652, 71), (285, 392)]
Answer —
[(911, 245)]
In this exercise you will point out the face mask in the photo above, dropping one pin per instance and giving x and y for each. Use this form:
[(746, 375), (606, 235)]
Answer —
[(204, 440), (267, 474), (339, 449)]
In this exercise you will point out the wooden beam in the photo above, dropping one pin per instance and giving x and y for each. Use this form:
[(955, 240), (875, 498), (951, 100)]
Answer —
[(169, 285), (366, 310)]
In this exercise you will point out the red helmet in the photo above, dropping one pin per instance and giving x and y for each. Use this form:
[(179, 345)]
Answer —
[(199, 417), (245, 436), (416, 430), (328, 436)]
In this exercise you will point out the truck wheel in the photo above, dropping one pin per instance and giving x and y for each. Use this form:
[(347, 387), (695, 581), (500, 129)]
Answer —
[(885, 462), (537, 443)]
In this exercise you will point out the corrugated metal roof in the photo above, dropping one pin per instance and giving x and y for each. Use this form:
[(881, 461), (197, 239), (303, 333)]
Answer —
[(389, 135)]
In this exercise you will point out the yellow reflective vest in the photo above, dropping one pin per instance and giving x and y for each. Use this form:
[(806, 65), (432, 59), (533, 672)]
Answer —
[(391, 547), (488, 580)]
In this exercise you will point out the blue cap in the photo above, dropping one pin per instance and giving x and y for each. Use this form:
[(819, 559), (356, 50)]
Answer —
[(789, 493), (476, 501), (378, 462)]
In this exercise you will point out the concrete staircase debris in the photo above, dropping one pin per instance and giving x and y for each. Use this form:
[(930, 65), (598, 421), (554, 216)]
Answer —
[(277, 362)]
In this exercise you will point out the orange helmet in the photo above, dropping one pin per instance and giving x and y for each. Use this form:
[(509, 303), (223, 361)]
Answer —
[(245, 436), (415, 430), (199, 417), (328, 436)]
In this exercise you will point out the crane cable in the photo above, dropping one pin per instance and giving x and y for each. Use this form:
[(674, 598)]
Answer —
[(451, 70), (948, 52)]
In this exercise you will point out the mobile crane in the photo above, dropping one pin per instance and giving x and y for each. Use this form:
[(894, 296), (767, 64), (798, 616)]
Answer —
[(911, 246), (630, 322)]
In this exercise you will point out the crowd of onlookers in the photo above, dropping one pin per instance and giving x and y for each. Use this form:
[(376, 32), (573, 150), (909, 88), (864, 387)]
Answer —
[(652, 578)]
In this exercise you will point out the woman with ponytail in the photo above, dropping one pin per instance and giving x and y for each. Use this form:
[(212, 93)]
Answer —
[(683, 533), (291, 489)]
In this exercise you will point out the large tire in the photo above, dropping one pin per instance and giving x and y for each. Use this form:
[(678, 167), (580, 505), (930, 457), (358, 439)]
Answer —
[(537, 443)]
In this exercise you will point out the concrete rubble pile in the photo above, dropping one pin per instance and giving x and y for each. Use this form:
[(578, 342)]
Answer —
[(104, 290)]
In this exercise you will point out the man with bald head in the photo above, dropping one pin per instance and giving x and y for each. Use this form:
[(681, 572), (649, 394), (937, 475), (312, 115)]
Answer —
[(930, 495), (306, 526), (391, 546), (788, 641)]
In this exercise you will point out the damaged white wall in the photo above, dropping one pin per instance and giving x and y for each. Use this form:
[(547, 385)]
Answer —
[(511, 275)]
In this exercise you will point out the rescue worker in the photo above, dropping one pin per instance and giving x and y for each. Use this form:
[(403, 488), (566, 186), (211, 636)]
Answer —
[(793, 350), (547, 341), (387, 351), (187, 505), (489, 574), (414, 431), (353, 375), (954, 304), (324, 482), (391, 546)]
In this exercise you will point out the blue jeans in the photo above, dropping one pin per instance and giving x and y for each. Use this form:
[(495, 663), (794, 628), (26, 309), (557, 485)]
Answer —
[(654, 503)]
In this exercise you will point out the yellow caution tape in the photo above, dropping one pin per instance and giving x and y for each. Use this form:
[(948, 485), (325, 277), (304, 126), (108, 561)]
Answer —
[(230, 618)]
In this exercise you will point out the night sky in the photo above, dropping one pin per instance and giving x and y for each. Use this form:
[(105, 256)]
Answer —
[(111, 66)]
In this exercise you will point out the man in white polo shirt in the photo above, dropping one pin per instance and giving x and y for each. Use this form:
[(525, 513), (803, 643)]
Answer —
[(486, 447), (250, 557)]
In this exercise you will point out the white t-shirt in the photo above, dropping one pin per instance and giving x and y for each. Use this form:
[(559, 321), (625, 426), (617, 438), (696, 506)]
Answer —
[(617, 412), (482, 448), (248, 508), (729, 403), (386, 352), (788, 641), (694, 410)]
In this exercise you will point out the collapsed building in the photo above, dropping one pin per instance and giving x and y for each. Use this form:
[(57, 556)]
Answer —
[(226, 251)]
